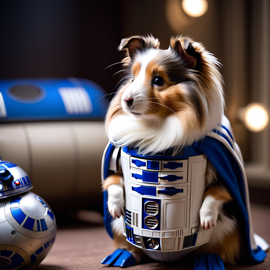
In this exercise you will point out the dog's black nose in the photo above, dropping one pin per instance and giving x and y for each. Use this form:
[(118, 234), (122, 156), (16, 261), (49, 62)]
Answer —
[(130, 102)]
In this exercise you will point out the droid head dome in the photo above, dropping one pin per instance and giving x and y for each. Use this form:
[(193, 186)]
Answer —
[(13, 180)]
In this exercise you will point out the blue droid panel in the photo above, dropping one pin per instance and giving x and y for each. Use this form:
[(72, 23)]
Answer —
[(50, 99)]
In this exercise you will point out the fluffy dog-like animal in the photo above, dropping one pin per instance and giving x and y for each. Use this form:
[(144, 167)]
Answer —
[(170, 99)]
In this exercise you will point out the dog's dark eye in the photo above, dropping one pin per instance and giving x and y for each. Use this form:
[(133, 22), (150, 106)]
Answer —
[(157, 80)]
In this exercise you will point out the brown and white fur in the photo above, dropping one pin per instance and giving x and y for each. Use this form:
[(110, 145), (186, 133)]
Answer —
[(171, 98)]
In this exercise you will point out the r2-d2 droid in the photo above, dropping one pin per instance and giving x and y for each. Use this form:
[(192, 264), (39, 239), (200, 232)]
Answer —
[(164, 195), (27, 223)]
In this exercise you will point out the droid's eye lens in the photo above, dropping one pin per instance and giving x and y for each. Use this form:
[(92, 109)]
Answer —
[(6, 176)]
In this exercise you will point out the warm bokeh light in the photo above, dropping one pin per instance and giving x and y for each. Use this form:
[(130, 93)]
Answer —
[(255, 117), (195, 8)]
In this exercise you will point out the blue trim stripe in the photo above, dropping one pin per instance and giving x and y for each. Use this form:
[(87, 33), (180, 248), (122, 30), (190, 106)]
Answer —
[(27, 179), (39, 251), (224, 136), (10, 165), (38, 226), (18, 214), (47, 244), (33, 258), (145, 190), (50, 214), (43, 225), (228, 132), (173, 165), (29, 223), (171, 178), (170, 191), (139, 163)]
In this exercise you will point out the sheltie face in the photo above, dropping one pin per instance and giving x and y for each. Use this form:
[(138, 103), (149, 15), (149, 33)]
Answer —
[(171, 97)]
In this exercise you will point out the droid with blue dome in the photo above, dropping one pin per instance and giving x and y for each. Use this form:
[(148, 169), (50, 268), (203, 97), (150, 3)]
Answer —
[(27, 223)]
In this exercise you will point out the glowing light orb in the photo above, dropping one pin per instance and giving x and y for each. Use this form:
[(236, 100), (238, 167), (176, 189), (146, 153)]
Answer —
[(195, 8), (256, 117)]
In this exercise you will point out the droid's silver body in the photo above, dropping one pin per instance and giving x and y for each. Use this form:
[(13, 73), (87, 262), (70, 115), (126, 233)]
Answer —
[(27, 223)]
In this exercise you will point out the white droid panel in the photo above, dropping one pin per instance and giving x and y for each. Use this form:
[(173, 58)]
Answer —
[(173, 221), (197, 167)]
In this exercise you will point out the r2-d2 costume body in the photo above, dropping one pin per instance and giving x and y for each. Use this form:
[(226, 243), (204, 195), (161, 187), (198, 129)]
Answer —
[(163, 196), (164, 193)]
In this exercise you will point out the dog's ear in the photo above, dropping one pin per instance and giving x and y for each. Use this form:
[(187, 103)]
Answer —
[(138, 43), (185, 50)]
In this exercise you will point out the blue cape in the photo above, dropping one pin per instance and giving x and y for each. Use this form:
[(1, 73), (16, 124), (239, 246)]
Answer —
[(222, 151)]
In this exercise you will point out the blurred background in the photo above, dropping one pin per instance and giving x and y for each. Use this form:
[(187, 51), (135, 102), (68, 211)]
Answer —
[(76, 38)]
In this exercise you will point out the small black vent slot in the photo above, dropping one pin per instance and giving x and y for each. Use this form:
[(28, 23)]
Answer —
[(190, 241), (128, 217)]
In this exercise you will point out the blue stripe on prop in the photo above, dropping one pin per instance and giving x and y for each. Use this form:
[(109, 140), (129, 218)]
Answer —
[(172, 178), (151, 177), (224, 136), (173, 165), (18, 214), (47, 244), (228, 132), (153, 165), (33, 258), (51, 214), (39, 251), (29, 223), (170, 191), (139, 163), (145, 190), (43, 225), (38, 226)]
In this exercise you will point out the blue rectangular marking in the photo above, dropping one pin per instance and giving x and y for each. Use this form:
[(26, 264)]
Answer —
[(10, 165), (39, 251), (153, 165), (130, 235), (151, 177), (173, 165), (33, 258), (29, 223), (27, 179), (18, 214), (38, 226), (139, 163), (24, 180), (43, 225), (144, 190), (47, 244), (50, 214)]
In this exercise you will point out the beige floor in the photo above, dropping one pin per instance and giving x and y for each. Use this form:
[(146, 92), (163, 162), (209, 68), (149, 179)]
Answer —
[(83, 246)]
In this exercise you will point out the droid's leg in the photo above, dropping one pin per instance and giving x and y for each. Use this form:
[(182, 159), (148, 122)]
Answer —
[(209, 262), (125, 254)]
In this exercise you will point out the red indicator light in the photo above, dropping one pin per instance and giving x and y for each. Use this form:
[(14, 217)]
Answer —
[(17, 183)]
